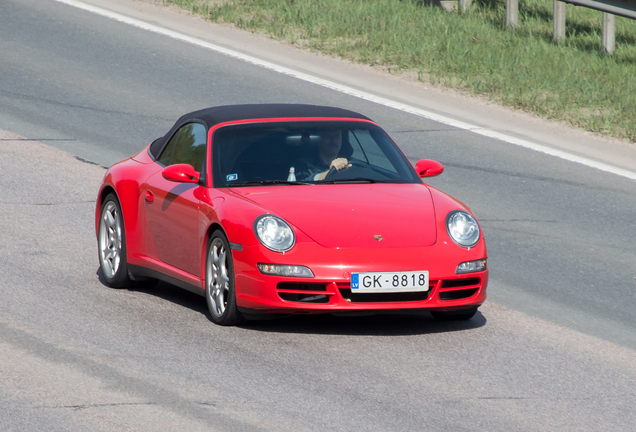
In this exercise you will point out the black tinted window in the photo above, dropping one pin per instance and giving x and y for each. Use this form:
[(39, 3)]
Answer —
[(187, 146)]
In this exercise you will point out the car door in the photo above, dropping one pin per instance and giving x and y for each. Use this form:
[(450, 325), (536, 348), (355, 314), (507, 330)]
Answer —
[(172, 209)]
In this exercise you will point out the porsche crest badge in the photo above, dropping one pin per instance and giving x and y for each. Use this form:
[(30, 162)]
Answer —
[(378, 237)]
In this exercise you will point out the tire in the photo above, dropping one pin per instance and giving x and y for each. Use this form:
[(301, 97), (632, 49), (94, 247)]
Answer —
[(220, 292), (111, 244), (458, 315)]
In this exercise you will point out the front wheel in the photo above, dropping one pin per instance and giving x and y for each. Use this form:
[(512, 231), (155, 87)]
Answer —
[(458, 315), (112, 244), (219, 281)]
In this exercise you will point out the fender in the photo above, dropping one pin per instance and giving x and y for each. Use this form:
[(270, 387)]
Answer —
[(119, 178), (444, 204)]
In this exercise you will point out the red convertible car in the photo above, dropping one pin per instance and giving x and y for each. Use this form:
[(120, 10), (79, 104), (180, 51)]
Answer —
[(289, 209)]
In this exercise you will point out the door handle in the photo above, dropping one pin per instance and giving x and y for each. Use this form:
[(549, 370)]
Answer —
[(150, 197)]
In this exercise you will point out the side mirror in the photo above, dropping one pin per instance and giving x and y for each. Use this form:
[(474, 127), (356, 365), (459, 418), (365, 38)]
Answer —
[(428, 168), (181, 173)]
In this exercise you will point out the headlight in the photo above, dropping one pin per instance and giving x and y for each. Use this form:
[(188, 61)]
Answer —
[(462, 228), (274, 233)]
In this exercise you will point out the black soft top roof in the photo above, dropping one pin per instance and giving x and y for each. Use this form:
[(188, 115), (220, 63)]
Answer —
[(222, 114)]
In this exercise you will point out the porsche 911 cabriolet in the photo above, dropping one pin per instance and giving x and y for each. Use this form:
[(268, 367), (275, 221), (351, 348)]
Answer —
[(282, 209)]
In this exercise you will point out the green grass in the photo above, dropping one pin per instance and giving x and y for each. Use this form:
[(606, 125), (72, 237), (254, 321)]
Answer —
[(474, 52)]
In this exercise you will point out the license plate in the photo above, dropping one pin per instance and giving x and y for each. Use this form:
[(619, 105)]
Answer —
[(388, 282)]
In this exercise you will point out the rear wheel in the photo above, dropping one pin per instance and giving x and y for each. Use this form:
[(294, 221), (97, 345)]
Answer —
[(112, 244), (219, 281), (458, 315)]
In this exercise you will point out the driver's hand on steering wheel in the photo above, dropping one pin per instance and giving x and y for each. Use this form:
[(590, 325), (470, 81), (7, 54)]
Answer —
[(336, 165), (340, 164)]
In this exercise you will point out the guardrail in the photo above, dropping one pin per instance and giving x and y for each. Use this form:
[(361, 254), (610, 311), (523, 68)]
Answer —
[(623, 8), (610, 8)]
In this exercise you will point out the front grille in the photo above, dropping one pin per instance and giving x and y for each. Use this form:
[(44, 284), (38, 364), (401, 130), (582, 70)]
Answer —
[(304, 298), (303, 292), (345, 292), (383, 297), (456, 283), (449, 289), (293, 286)]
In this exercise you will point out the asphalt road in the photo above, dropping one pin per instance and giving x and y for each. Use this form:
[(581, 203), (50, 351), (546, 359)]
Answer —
[(553, 349)]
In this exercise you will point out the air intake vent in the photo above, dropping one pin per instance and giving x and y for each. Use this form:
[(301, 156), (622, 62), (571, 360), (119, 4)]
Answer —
[(304, 298), (303, 292), (292, 286)]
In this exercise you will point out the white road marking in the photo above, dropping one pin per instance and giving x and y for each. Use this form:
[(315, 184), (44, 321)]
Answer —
[(354, 92)]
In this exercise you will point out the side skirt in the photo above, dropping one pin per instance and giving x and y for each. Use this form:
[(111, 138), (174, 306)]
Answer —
[(138, 272)]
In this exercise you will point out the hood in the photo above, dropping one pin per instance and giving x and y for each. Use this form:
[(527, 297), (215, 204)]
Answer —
[(350, 215)]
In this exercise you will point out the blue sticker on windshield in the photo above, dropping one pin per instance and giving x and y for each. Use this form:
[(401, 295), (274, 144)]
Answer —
[(354, 281), (231, 177)]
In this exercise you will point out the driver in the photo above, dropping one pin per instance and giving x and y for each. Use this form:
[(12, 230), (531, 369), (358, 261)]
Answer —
[(318, 166)]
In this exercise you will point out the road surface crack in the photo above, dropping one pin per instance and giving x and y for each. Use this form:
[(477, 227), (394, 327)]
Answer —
[(87, 406), (47, 204), (582, 398), (90, 162), (37, 139), (80, 407)]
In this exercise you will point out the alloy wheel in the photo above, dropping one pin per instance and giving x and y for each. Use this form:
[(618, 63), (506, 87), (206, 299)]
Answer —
[(110, 242), (218, 280)]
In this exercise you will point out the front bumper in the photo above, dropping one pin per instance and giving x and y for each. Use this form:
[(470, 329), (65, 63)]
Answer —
[(329, 290)]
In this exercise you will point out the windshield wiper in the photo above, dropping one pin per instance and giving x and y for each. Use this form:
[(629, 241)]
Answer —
[(353, 180), (269, 182)]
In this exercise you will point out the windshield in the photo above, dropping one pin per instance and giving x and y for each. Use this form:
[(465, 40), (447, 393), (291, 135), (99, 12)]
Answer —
[(318, 152)]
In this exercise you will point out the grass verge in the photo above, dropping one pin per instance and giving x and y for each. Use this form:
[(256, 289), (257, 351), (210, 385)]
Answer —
[(473, 52)]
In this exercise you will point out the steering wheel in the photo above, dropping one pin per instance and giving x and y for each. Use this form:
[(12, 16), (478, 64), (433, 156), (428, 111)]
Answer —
[(355, 170)]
